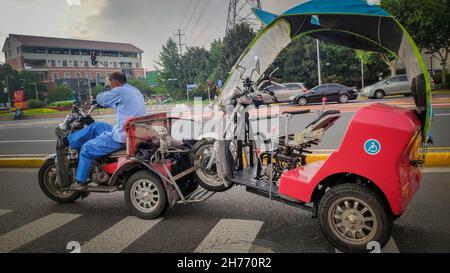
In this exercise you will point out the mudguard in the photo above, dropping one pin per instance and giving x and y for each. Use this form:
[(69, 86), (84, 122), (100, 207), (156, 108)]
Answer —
[(62, 168)]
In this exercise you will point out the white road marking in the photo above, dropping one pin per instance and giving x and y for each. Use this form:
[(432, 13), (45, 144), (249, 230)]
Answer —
[(230, 236), (445, 114), (120, 236), (32, 231), (26, 141), (4, 211), (390, 247)]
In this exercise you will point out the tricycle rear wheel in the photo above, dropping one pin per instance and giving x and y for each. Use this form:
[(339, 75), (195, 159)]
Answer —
[(351, 216), (145, 195)]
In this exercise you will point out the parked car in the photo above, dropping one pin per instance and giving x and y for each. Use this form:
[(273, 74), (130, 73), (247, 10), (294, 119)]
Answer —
[(332, 91), (285, 91)]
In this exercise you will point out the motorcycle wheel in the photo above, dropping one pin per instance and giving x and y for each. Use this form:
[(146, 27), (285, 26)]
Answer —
[(208, 179), (145, 195), (49, 185)]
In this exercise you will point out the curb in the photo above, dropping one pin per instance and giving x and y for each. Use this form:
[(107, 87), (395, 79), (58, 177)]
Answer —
[(432, 159)]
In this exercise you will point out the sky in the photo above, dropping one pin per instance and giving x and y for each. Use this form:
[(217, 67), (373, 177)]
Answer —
[(147, 24)]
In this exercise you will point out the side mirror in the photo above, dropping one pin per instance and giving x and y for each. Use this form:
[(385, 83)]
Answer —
[(257, 65)]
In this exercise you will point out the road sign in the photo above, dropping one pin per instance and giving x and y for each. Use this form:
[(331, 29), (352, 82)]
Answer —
[(152, 77), (190, 87), (219, 83)]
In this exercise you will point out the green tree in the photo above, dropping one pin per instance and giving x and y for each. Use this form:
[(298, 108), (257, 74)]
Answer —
[(428, 22), (170, 76), (234, 44), (60, 93), (143, 86)]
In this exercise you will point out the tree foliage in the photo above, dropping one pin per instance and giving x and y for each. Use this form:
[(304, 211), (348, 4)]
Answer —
[(428, 22)]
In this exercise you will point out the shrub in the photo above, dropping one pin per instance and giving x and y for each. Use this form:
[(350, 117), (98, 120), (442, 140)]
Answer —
[(62, 103), (61, 93), (32, 104)]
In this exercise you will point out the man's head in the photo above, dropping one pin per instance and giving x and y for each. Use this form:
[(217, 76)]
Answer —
[(117, 79)]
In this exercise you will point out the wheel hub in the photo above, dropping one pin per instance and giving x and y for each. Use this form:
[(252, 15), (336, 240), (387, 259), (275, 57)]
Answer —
[(353, 220)]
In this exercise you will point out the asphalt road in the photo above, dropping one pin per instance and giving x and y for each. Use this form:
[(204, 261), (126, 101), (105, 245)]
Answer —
[(37, 137), (29, 222)]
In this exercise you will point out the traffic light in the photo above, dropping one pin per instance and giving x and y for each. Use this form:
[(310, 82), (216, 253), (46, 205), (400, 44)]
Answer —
[(94, 58)]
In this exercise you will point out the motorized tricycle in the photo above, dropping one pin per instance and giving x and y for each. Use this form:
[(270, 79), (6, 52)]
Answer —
[(154, 170), (371, 178)]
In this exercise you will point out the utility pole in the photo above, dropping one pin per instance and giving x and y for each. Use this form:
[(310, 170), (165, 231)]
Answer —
[(362, 72), (318, 62), (179, 34), (6, 90)]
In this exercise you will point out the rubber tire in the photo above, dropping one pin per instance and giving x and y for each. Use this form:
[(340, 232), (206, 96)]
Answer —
[(378, 91), (197, 147), (163, 205), (339, 99), (306, 101), (41, 177), (382, 214)]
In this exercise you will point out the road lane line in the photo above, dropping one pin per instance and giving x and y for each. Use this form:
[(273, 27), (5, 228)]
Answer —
[(4, 211), (390, 247), (26, 141), (230, 236), (32, 231), (120, 236)]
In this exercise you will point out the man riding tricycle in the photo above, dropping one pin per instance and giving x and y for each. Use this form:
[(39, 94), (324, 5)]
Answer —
[(356, 193)]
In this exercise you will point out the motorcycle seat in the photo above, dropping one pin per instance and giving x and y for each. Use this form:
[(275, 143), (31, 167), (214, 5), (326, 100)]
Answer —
[(118, 153), (325, 120)]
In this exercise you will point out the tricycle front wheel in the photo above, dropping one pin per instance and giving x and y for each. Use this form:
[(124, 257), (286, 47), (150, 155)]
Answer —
[(50, 187), (352, 216)]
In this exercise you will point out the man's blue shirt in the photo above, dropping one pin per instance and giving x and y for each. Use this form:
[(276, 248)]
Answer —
[(128, 102)]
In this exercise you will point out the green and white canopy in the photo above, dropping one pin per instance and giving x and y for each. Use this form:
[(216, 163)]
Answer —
[(352, 23)]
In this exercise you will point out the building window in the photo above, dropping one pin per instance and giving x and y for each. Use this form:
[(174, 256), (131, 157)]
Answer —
[(115, 64), (96, 65), (86, 64), (53, 63), (66, 75), (18, 50), (55, 76), (137, 65), (75, 52), (88, 75), (64, 63), (97, 75), (105, 64), (78, 75), (75, 63)]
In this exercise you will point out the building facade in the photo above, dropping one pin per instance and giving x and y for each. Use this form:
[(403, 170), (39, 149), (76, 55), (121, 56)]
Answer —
[(55, 59)]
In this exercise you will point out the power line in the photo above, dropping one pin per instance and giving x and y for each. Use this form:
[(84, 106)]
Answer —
[(185, 12), (209, 22), (200, 17), (192, 15)]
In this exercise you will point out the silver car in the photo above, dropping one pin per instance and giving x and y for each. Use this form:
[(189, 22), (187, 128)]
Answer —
[(397, 85), (285, 91)]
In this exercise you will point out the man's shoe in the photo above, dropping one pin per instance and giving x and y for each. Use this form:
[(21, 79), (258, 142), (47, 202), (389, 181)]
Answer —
[(62, 141), (78, 187)]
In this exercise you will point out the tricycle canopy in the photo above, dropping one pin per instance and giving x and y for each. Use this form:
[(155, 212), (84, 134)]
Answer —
[(351, 23)]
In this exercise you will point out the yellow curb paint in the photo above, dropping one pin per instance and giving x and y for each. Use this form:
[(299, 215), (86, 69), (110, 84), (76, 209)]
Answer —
[(432, 159), (21, 162)]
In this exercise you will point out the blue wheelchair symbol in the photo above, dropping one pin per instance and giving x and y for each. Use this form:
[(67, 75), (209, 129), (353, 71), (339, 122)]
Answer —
[(372, 146)]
